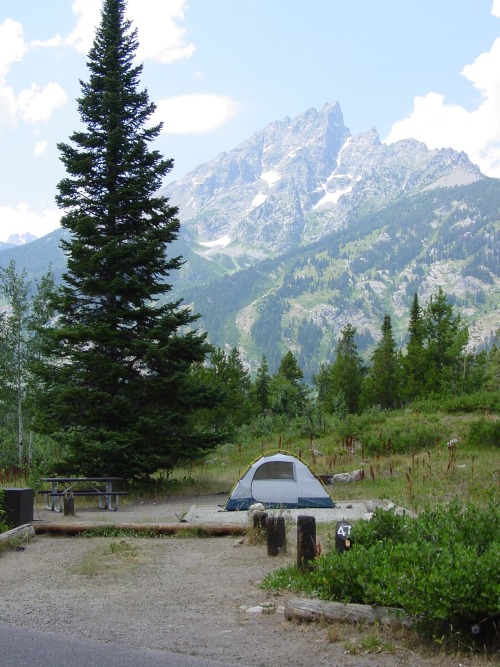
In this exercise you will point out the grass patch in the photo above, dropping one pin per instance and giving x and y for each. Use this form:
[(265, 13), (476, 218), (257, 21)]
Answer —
[(111, 558), (116, 531)]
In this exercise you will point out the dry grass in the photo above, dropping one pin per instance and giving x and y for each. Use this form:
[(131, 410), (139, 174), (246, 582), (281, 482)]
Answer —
[(413, 480), (109, 558)]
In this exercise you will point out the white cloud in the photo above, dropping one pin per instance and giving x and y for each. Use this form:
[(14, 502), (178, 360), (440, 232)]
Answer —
[(161, 38), (51, 43), (12, 46), (21, 219), (190, 114), (476, 132), (32, 104), (7, 107), (12, 49), (36, 104), (88, 15), (40, 148), (495, 10)]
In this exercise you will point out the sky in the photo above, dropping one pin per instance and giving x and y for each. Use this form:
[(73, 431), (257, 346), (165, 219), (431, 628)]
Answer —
[(221, 70)]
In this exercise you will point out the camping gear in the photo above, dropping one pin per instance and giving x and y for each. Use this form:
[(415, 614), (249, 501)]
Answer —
[(279, 481)]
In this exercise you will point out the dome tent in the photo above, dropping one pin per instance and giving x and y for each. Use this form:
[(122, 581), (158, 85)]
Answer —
[(278, 481)]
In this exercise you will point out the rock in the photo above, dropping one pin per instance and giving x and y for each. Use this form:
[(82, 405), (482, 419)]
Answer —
[(342, 478), (258, 609), (256, 507)]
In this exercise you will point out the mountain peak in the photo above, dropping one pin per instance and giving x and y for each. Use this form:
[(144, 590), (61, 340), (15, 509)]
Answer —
[(298, 179), (21, 239)]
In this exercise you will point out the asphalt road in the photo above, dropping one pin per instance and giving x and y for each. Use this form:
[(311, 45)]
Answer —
[(21, 647)]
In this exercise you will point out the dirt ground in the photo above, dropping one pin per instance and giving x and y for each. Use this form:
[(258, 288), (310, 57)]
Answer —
[(188, 595)]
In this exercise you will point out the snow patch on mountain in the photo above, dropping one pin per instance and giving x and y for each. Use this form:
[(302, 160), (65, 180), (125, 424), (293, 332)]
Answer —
[(331, 198), (271, 177), (218, 243), (257, 201)]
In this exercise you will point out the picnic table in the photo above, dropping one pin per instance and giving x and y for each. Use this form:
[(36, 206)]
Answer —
[(101, 487)]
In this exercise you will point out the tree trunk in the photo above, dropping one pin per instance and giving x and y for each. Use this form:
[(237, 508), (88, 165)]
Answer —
[(30, 444), (19, 427)]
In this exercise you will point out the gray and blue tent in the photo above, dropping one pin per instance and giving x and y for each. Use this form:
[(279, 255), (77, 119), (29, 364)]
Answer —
[(278, 480)]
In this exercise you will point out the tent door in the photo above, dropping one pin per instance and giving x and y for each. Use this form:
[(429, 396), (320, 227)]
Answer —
[(278, 491)]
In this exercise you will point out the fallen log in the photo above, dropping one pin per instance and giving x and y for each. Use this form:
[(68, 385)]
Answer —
[(209, 530), (318, 610), (19, 534)]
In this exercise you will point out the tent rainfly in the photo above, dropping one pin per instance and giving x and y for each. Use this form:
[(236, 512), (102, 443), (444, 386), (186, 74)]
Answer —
[(278, 481)]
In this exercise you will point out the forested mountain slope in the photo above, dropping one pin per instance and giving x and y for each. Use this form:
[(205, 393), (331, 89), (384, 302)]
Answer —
[(304, 227)]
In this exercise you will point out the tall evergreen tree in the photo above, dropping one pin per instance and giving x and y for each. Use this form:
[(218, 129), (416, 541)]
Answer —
[(445, 339), (290, 369), (413, 362), (118, 390), (383, 378), (227, 374), (348, 369), (287, 395), (261, 386)]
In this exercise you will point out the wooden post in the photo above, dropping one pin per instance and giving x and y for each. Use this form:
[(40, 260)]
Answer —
[(69, 503), (258, 532), (276, 535), (306, 542), (260, 523)]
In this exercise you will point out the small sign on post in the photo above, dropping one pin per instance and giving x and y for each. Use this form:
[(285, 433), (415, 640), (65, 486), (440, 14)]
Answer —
[(343, 536)]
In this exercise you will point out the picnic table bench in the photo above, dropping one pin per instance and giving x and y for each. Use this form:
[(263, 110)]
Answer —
[(101, 487)]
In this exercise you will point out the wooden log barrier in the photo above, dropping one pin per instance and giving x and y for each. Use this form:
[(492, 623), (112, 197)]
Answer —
[(306, 542), (209, 530), (318, 610), (19, 534), (69, 503), (276, 535)]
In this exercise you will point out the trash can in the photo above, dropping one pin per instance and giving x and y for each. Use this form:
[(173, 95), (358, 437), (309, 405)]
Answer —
[(18, 506)]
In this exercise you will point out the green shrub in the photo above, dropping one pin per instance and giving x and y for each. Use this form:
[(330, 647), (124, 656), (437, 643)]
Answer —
[(442, 568), (481, 401), (405, 436), (484, 432)]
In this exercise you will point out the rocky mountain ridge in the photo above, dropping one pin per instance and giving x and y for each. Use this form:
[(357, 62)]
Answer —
[(300, 179), (303, 228)]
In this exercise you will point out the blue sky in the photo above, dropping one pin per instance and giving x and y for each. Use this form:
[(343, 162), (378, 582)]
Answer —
[(220, 70)]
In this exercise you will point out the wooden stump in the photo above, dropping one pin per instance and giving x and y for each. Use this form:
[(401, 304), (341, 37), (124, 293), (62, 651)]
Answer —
[(306, 542), (69, 503), (276, 535), (259, 525)]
